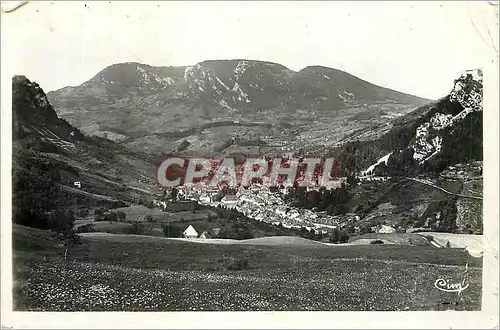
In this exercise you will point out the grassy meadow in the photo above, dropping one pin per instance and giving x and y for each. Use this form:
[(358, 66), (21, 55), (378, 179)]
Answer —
[(141, 273)]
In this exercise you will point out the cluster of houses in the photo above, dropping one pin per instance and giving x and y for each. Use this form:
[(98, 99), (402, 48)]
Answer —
[(190, 232), (259, 203)]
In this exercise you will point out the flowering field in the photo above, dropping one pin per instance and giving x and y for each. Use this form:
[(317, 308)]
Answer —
[(165, 275)]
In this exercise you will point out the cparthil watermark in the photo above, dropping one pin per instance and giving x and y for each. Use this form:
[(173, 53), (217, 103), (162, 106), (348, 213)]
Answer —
[(234, 172)]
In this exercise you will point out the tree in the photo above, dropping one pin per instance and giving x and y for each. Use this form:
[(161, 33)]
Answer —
[(99, 215), (312, 234), (112, 216), (244, 233), (365, 229), (62, 223), (343, 237), (351, 178), (448, 245), (330, 210), (121, 216), (171, 231), (335, 236), (350, 229), (173, 194)]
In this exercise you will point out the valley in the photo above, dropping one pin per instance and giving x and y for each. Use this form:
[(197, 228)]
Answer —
[(93, 229)]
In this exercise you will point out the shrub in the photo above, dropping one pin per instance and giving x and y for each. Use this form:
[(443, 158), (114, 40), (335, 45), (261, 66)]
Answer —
[(377, 241), (343, 237), (98, 212), (238, 264), (137, 228), (149, 218), (121, 215), (172, 231), (334, 237), (88, 228), (111, 217), (83, 213), (365, 229), (244, 233)]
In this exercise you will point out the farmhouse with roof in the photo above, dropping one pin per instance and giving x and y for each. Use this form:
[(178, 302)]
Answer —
[(205, 235), (190, 232)]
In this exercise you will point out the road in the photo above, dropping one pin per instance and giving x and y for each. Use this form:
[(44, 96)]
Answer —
[(442, 189), (428, 183)]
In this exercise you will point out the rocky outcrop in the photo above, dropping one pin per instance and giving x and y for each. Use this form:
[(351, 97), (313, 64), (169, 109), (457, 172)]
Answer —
[(435, 136)]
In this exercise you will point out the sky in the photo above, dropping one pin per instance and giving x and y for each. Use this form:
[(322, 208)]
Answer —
[(413, 47)]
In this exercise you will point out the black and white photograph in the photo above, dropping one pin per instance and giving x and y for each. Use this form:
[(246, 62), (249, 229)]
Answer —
[(250, 156)]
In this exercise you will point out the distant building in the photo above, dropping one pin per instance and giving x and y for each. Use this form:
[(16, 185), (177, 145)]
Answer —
[(230, 201), (216, 231), (179, 206), (205, 199), (78, 184), (190, 232), (384, 229), (205, 235)]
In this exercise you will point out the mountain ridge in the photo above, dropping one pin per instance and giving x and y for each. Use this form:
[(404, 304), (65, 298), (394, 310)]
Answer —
[(127, 100), (237, 60)]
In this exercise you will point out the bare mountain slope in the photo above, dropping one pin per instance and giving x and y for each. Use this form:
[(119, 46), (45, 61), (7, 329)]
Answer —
[(137, 104)]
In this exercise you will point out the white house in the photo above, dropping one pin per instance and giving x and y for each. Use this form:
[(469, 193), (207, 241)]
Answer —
[(161, 204), (230, 201), (205, 235), (384, 229), (77, 184), (190, 232), (205, 199)]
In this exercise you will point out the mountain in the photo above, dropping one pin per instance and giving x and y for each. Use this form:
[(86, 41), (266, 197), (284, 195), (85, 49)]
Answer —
[(55, 166), (428, 139), (143, 106)]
